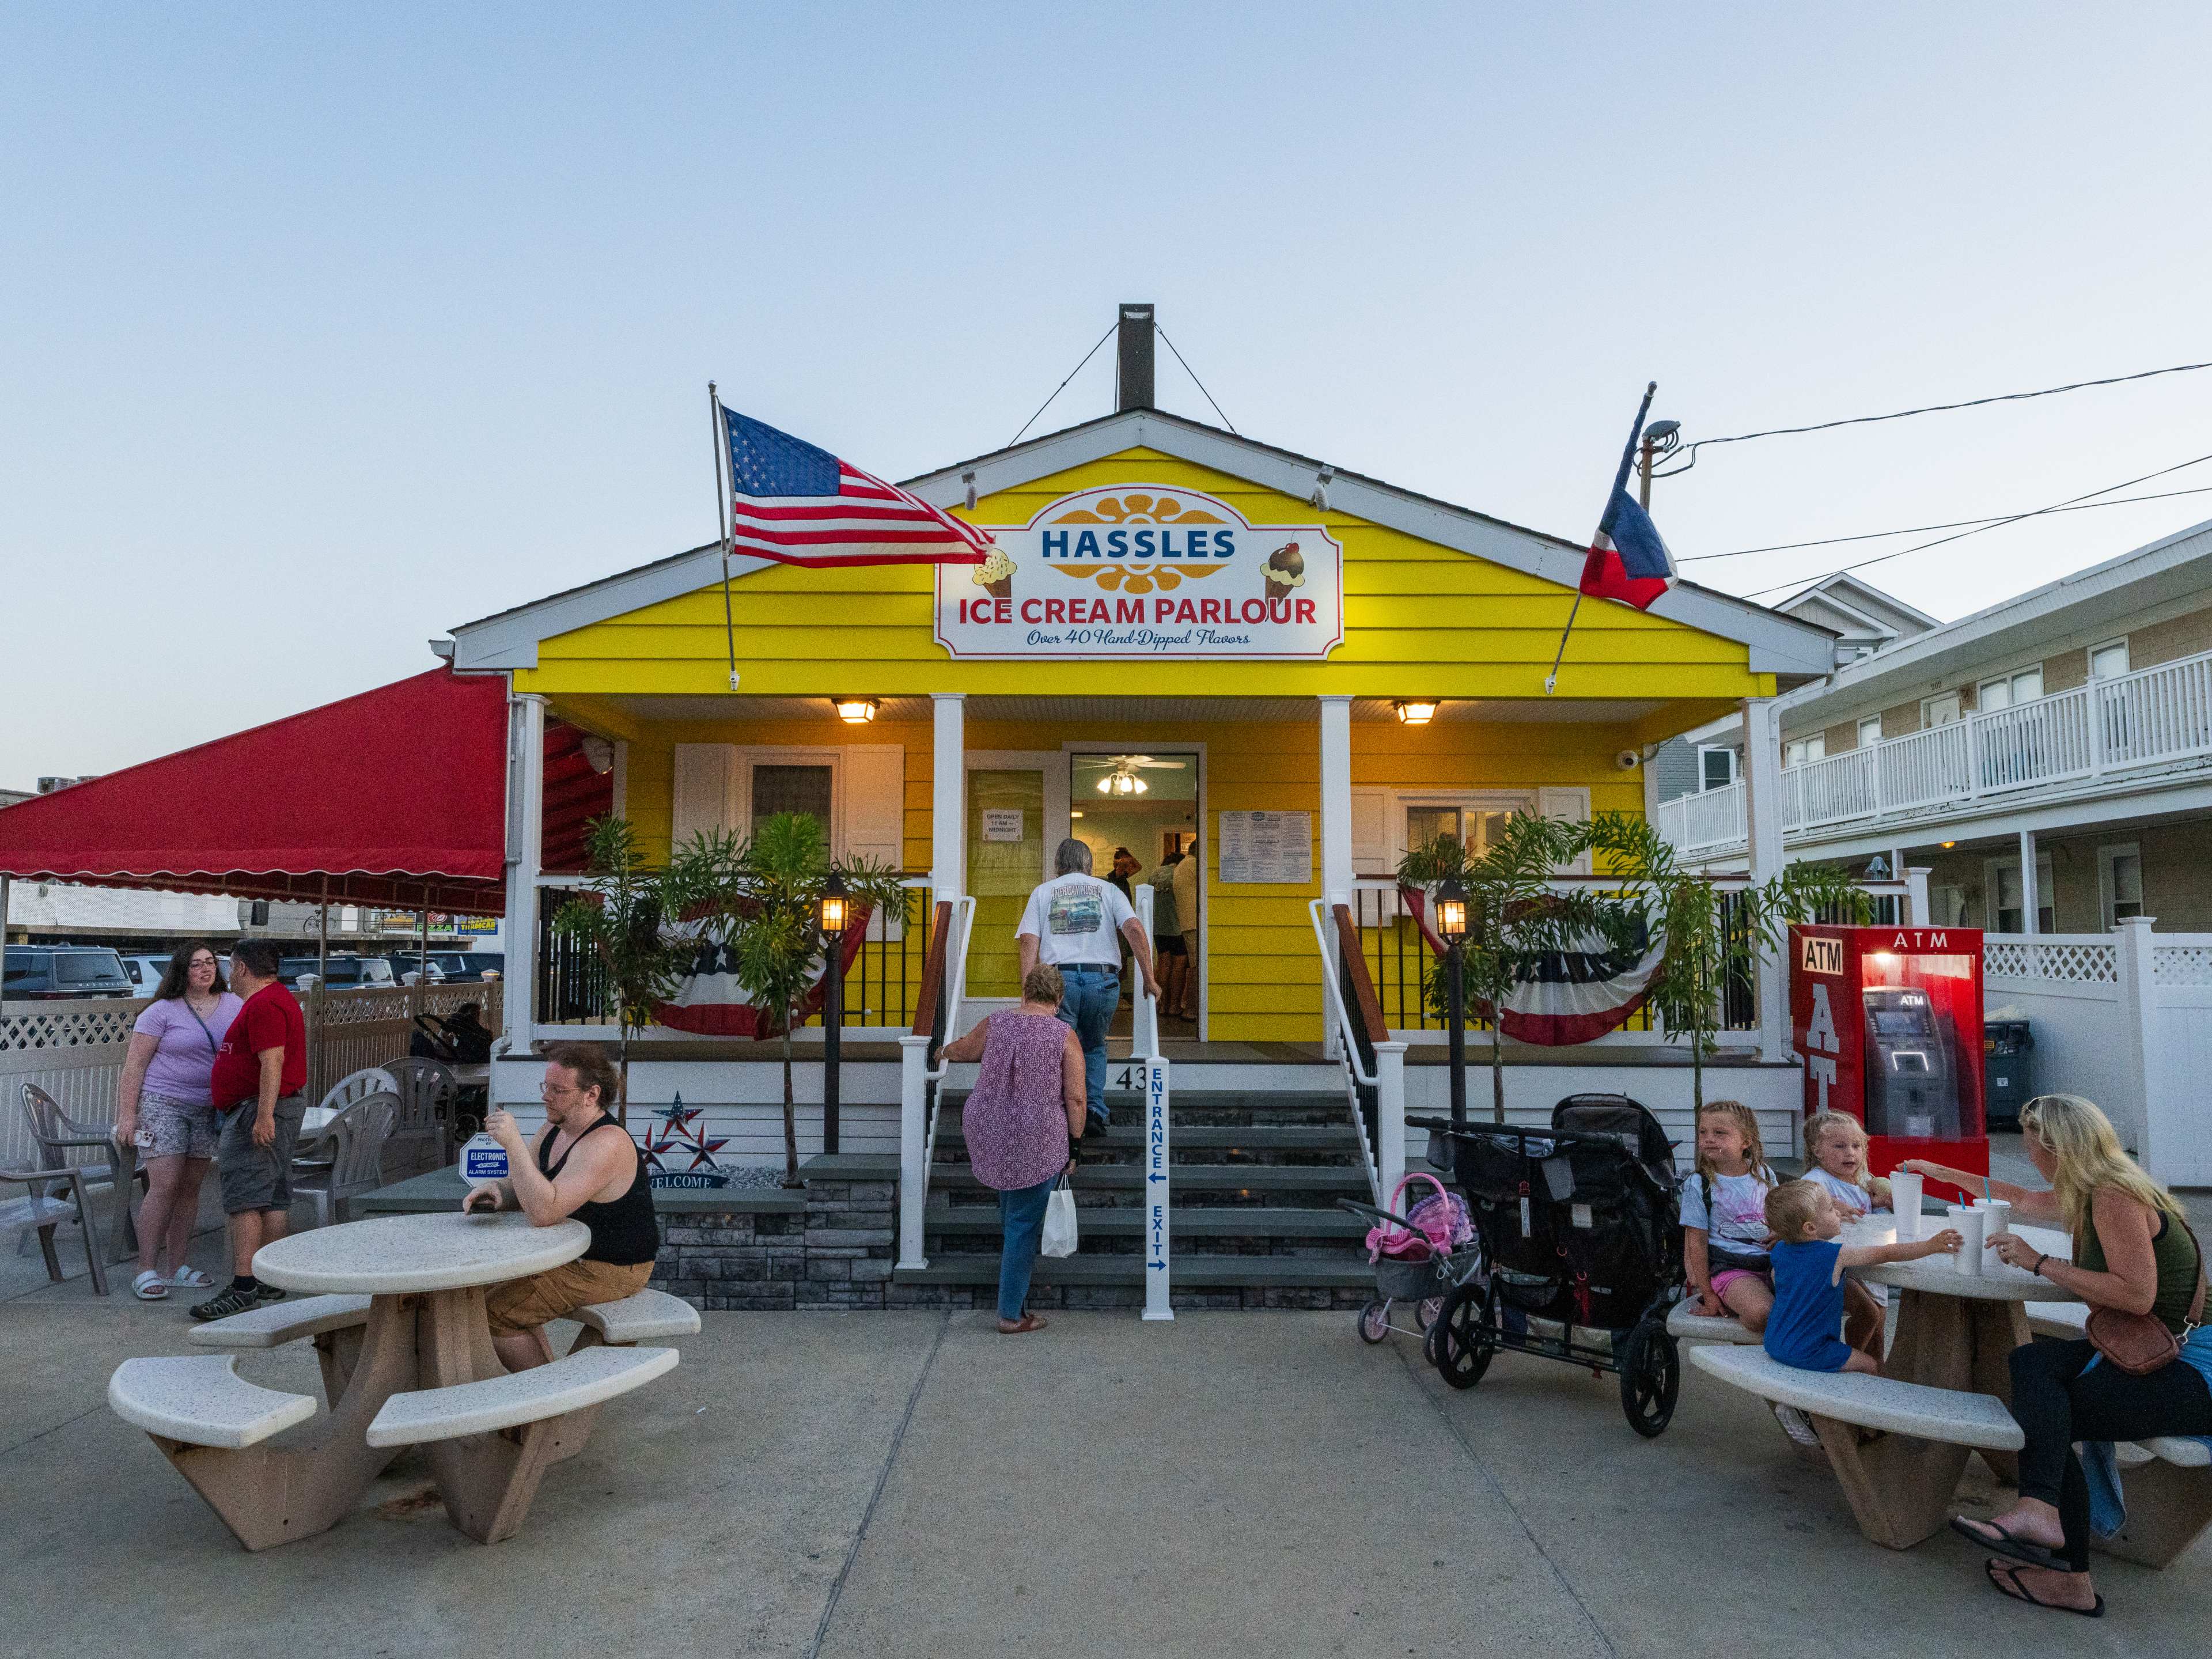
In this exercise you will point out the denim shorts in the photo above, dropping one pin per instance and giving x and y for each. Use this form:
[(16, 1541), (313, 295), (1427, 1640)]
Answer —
[(174, 1128)]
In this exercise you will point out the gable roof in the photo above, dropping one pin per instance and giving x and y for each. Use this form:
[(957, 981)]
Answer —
[(1778, 644), (1882, 611)]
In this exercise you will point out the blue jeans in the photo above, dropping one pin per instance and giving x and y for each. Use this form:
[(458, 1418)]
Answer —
[(1087, 1005), (1022, 1211)]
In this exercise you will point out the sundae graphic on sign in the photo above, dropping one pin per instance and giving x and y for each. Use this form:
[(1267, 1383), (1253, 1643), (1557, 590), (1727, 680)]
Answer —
[(1146, 571)]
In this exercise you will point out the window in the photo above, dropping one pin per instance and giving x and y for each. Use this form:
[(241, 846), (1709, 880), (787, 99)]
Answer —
[(793, 789), (1946, 906), (2119, 872), (2009, 690), (1939, 711), (1869, 731), (2108, 661), (2006, 899), (1716, 769), (1798, 750), (1473, 827)]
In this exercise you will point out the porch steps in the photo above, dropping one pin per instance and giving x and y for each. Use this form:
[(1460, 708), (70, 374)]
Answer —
[(1255, 1185)]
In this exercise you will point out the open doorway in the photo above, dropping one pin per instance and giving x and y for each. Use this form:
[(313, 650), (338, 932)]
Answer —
[(1138, 811)]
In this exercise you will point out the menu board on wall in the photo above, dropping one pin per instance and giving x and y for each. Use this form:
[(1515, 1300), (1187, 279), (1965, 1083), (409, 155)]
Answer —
[(1266, 847)]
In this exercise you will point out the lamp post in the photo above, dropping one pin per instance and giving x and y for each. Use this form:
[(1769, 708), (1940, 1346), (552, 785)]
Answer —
[(1451, 925), (829, 913)]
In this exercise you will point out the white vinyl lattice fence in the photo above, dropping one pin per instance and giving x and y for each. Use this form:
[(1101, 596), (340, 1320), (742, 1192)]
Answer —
[(2122, 1018), (73, 1049)]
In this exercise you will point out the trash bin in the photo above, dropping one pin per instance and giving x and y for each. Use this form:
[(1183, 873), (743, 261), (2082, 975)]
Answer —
[(2007, 1051)]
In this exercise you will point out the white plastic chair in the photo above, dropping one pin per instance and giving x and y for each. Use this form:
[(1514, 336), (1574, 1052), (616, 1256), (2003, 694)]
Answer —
[(428, 1088), (353, 1143)]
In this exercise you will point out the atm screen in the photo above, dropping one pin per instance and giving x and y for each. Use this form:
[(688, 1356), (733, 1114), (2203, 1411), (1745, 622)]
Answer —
[(1899, 1022)]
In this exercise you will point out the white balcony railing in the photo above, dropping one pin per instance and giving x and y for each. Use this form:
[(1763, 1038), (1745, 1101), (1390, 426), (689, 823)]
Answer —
[(2154, 717)]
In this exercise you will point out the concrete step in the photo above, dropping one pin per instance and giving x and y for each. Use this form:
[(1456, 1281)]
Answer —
[(1300, 1144), (1235, 1221), (1197, 1107), (1187, 1269), (1229, 1182)]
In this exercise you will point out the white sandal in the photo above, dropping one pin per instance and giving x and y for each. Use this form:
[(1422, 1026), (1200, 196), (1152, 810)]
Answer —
[(150, 1286), (189, 1278)]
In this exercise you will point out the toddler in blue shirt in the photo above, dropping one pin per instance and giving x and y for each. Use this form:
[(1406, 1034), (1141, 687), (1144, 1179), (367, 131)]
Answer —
[(1808, 1279)]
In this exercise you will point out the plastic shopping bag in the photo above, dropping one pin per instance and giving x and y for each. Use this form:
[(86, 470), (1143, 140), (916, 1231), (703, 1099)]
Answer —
[(1060, 1221)]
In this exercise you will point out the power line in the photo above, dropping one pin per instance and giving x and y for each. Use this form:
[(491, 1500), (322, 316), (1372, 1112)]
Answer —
[(1062, 386), (1922, 547), (1922, 529), (1199, 383), (1938, 409)]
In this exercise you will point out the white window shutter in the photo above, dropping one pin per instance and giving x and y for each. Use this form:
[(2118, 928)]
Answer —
[(1574, 806), (701, 790), (874, 808), (1370, 832)]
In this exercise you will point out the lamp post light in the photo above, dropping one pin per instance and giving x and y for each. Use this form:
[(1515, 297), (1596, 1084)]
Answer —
[(1451, 925), (830, 910)]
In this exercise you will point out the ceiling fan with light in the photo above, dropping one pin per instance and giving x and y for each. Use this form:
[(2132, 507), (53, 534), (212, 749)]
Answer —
[(1123, 778)]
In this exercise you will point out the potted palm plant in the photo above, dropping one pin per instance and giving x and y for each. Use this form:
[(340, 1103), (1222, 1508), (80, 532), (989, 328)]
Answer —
[(762, 893), (1513, 913), (620, 912), (1712, 936)]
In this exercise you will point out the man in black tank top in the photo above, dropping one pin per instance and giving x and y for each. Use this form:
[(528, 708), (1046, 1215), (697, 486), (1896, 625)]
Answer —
[(581, 1165)]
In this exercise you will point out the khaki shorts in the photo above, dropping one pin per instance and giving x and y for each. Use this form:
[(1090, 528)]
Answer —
[(524, 1304)]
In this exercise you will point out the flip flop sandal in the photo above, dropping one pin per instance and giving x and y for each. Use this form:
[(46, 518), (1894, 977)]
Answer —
[(2001, 1575), (150, 1286), (1997, 1539), (1022, 1327), (190, 1279)]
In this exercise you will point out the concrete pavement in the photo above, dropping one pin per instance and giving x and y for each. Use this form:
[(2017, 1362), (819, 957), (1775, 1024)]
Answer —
[(875, 1484)]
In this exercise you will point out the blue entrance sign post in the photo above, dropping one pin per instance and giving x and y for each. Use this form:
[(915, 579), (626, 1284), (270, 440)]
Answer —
[(1158, 1187)]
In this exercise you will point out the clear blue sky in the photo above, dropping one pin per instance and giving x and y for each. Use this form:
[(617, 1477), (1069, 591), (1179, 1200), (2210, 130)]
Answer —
[(331, 327)]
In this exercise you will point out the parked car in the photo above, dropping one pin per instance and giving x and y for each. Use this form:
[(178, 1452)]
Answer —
[(44, 973), (340, 973), (468, 964), (404, 962), (145, 974)]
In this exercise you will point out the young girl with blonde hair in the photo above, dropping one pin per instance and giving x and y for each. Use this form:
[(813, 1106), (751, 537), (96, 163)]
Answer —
[(1835, 1161), (1725, 1255)]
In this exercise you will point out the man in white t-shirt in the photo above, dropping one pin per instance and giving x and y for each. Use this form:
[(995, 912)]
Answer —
[(1076, 923)]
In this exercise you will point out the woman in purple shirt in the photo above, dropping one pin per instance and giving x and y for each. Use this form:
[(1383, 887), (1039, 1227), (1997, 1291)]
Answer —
[(165, 1107), (1020, 1122)]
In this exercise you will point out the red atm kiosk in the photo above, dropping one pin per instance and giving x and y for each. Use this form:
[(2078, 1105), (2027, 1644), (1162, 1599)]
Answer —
[(1889, 1023)]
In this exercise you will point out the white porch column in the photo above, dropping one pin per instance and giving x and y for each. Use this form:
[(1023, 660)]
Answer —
[(2148, 1130), (2030, 900), (526, 830), (1335, 828), (948, 798), (1762, 808), (1916, 883)]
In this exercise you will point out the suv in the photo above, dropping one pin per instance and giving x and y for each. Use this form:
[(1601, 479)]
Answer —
[(46, 973), (145, 974), (340, 973), (468, 964)]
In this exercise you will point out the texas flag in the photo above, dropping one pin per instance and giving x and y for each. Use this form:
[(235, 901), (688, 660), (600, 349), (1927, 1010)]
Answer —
[(1628, 562)]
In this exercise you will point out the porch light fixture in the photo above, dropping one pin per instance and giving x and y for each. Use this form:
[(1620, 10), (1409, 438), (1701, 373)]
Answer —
[(829, 909), (1415, 711), (1451, 911), (855, 711)]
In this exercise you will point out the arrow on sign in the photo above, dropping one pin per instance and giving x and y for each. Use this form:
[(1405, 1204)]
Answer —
[(1157, 1267)]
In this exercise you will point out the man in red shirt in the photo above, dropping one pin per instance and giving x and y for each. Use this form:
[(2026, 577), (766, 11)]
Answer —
[(259, 1072)]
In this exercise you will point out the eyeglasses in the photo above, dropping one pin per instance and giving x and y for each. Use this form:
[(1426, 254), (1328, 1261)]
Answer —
[(554, 1091)]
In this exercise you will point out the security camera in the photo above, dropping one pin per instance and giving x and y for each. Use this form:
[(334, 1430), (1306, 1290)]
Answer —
[(1628, 760)]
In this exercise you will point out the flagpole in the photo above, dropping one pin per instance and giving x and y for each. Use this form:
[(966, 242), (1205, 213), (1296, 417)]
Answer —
[(722, 521), (1552, 679)]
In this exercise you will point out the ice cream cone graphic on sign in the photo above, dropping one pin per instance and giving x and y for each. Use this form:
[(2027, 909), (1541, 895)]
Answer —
[(1285, 571), (995, 575)]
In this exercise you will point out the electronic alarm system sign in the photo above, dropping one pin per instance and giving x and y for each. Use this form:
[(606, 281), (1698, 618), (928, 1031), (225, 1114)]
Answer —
[(1145, 570)]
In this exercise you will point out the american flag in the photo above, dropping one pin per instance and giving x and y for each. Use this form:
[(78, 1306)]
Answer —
[(792, 502)]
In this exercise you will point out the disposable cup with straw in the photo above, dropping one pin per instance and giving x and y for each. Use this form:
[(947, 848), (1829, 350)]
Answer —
[(1968, 1222), (1904, 1198)]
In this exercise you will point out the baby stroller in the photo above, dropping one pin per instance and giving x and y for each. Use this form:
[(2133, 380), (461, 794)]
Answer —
[(1582, 1234), (1420, 1256)]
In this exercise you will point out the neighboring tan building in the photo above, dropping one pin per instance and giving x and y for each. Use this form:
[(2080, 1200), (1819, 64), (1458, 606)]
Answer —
[(2048, 760)]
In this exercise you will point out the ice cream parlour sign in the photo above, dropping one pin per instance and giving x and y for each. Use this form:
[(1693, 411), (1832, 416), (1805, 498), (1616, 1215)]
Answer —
[(1145, 570)]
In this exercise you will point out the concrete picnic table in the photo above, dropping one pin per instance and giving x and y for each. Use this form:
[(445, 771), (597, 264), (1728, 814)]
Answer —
[(1955, 1331), (425, 1328)]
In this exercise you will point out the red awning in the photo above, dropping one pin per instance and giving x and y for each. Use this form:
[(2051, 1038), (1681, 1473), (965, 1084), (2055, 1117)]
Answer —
[(397, 796)]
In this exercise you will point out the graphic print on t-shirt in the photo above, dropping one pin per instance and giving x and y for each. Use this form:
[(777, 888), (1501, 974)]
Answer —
[(1075, 909)]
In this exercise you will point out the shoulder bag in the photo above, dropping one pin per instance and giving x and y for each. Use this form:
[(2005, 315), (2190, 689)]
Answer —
[(2140, 1343)]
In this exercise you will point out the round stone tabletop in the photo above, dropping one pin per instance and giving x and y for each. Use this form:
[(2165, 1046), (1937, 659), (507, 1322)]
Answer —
[(1939, 1275), (395, 1255)]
